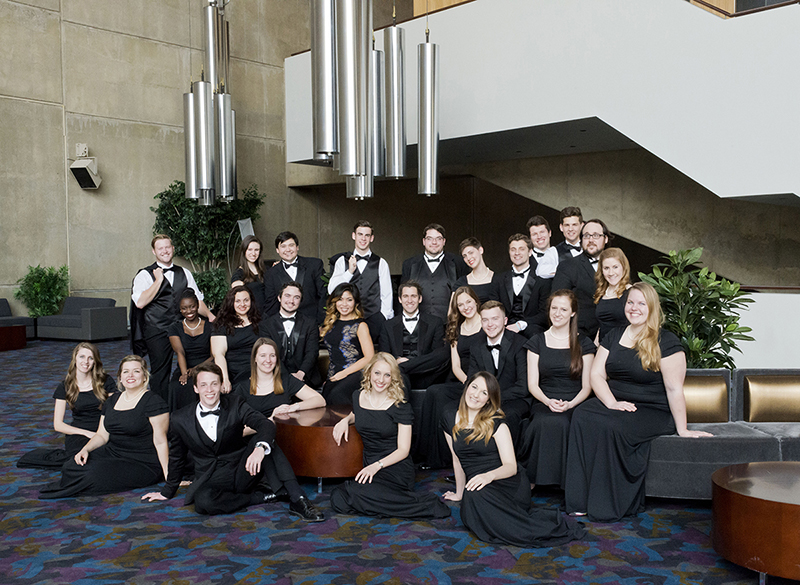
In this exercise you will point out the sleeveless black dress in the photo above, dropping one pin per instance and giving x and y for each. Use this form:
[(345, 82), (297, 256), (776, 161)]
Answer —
[(610, 314)]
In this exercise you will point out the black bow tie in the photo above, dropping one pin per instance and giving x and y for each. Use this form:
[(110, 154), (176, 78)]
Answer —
[(358, 257), (521, 274), (170, 269), (493, 347), (288, 266), (285, 319), (433, 259), (593, 260), (407, 319), (538, 254), (208, 412), (571, 247)]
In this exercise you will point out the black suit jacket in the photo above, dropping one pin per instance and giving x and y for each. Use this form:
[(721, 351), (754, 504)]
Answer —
[(577, 275), (431, 337), (212, 457), (453, 266), (309, 275), (305, 341), (564, 253), (512, 371), (534, 298)]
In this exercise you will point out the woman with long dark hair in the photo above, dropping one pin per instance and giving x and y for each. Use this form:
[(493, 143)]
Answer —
[(235, 332), (349, 343), (559, 364), (494, 494), (250, 272)]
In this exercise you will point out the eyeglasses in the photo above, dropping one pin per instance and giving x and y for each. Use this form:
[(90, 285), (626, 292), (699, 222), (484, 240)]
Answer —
[(593, 236), (434, 238)]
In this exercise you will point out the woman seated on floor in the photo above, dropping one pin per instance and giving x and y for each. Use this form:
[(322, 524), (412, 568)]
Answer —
[(85, 390), (129, 450)]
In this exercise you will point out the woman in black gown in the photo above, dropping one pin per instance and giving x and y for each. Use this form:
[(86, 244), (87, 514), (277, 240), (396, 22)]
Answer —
[(559, 365), (481, 278), (463, 326), (129, 450), (349, 344), (190, 338), (383, 418), (85, 390), (637, 376), (613, 279), (250, 272), (494, 494), (235, 332), (272, 394)]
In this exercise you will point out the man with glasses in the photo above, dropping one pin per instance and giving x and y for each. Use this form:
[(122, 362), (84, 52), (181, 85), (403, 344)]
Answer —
[(436, 271), (577, 274)]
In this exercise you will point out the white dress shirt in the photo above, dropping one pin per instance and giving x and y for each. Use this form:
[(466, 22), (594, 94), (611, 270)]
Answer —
[(288, 326), (142, 281), (342, 274), (433, 262), (410, 325), (547, 264)]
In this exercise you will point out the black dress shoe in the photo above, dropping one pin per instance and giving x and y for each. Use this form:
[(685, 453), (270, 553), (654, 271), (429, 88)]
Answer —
[(306, 510), (450, 478), (424, 467), (270, 497)]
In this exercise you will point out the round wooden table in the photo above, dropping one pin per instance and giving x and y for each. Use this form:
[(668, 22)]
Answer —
[(756, 517), (306, 438)]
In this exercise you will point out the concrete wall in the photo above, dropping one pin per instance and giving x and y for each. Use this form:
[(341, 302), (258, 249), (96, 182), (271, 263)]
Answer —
[(112, 75)]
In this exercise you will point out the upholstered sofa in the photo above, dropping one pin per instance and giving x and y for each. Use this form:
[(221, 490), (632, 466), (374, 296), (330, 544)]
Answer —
[(85, 319), (754, 415), (6, 319)]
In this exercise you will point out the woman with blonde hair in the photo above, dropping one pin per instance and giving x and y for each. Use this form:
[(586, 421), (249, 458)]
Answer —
[(495, 496), (613, 279), (385, 485), (637, 377), (129, 450), (84, 390)]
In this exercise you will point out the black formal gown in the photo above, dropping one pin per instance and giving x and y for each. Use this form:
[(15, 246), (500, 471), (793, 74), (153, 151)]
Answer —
[(610, 314), (256, 287), (485, 292), (85, 415), (430, 446), (546, 437), (128, 461), (391, 493), (501, 511), (344, 350), (609, 449), (197, 350), (240, 346)]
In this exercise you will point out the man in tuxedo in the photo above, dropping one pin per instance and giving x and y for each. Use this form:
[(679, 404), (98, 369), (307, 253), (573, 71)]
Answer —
[(436, 271), (296, 334), (295, 268), (155, 293), (522, 292), (370, 273), (228, 466), (500, 352), (416, 340), (578, 274), (545, 255), (571, 226)]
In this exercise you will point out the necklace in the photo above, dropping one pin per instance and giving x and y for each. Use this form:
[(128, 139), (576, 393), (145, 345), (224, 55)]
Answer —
[(86, 386), (372, 404), (484, 275), (554, 336), (185, 324), (125, 395)]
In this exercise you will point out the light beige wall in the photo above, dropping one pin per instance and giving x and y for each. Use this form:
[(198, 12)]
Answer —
[(112, 75)]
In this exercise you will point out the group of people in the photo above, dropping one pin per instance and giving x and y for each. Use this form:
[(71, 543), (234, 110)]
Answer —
[(555, 372)]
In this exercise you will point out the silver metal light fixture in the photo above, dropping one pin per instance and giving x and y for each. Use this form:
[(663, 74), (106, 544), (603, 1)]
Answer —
[(394, 46), (190, 146), (428, 117), (376, 93), (323, 79), (202, 95)]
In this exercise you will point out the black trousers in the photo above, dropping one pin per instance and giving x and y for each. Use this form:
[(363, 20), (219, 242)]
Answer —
[(230, 487), (160, 352)]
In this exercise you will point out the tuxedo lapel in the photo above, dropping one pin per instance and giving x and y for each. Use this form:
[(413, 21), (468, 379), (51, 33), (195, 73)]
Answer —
[(587, 266), (301, 270), (505, 352), (527, 289), (202, 437), (422, 327), (416, 267), (509, 286), (397, 337)]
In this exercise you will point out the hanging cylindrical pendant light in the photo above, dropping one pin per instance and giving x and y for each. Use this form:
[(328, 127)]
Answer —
[(225, 191), (394, 43), (233, 154), (211, 44), (428, 119), (376, 94), (323, 78), (189, 143), (204, 139)]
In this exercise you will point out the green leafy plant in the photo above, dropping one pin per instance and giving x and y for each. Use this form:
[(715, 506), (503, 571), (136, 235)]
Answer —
[(700, 308), (43, 290), (214, 283)]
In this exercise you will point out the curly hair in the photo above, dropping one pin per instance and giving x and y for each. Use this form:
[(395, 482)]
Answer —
[(332, 313), (228, 319), (139, 360), (97, 373), (646, 343), (454, 317), (396, 390)]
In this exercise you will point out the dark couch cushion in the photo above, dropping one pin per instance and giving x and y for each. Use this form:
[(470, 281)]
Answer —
[(60, 321), (787, 433), (681, 467), (5, 308), (74, 305)]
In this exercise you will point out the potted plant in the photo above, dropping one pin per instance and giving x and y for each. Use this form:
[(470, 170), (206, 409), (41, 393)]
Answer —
[(700, 308), (43, 290)]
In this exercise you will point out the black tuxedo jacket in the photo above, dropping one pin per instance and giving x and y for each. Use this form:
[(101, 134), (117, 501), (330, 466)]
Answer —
[(212, 457), (416, 268), (564, 253), (309, 275), (534, 298), (431, 337), (577, 275), (305, 341), (512, 371)]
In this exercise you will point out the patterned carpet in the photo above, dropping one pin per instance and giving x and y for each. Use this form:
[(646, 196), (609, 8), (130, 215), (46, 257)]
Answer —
[(117, 539)]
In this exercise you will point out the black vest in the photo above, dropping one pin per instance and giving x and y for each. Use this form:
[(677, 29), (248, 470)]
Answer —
[(516, 307), (437, 286), (163, 311), (368, 284), (410, 342)]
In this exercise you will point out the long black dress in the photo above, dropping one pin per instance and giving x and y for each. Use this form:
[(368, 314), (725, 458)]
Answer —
[(430, 445), (610, 314), (197, 349), (391, 493), (501, 511), (256, 287), (545, 438), (85, 415), (344, 350), (240, 345), (609, 449), (128, 461)]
